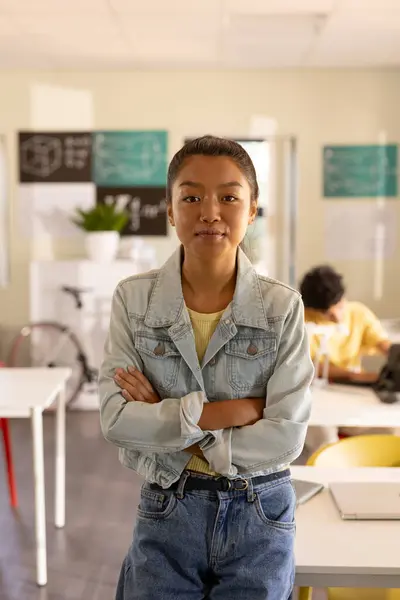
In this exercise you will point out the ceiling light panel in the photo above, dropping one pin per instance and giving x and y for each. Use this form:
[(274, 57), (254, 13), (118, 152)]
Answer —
[(358, 42)]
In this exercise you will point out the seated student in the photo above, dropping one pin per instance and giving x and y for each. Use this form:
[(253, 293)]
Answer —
[(325, 303)]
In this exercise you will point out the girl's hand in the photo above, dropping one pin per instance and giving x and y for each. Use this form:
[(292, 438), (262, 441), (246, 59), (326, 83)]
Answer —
[(135, 387)]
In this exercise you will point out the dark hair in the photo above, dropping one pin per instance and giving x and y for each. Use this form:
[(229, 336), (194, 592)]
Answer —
[(321, 288), (209, 145)]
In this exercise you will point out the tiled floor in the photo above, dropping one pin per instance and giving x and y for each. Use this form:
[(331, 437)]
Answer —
[(84, 558)]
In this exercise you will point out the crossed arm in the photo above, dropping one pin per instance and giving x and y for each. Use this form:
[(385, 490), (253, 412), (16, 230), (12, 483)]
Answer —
[(239, 433), (216, 415)]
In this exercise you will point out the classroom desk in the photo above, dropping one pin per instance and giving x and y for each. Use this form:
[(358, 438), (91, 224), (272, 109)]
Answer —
[(25, 394), (331, 552), (348, 406)]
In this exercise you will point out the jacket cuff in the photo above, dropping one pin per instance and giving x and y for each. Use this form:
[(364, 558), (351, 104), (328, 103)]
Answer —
[(218, 453), (191, 407)]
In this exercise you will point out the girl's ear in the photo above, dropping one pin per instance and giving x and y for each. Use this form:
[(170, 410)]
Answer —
[(253, 212), (170, 214)]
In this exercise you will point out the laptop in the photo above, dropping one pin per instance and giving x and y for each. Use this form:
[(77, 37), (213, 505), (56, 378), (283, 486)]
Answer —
[(367, 501), (305, 490)]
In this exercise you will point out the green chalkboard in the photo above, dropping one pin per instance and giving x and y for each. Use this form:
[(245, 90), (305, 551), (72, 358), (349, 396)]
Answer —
[(129, 158), (360, 171)]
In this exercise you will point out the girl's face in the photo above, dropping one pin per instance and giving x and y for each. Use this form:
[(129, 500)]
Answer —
[(211, 206)]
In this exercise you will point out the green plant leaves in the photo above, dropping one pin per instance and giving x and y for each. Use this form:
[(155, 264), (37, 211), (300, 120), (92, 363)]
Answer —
[(102, 217)]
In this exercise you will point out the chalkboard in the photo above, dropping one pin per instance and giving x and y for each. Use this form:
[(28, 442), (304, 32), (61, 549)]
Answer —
[(130, 158), (147, 208), (54, 157), (360, 171)]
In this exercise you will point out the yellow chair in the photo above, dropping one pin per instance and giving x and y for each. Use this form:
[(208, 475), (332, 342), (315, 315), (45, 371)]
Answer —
[(304, 594), (378, 450)]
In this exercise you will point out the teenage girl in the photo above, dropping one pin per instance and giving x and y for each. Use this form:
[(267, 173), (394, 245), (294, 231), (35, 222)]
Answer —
[(205, 389)]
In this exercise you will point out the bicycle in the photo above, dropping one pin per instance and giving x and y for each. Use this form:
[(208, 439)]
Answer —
[(53, 344)]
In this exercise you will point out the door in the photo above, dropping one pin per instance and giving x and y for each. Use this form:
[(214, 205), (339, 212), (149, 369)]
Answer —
[(271, 241)]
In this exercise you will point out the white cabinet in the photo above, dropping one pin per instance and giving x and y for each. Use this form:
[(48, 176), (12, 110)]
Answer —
[(90, 323)]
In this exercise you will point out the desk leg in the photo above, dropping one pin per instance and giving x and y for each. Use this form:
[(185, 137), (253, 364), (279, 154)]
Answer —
[(59, 509), (40, 506)]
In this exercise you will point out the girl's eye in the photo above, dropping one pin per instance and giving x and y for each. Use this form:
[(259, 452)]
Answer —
[(229, 198), (191, 199)]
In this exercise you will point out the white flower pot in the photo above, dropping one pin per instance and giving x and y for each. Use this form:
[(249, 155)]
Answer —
[(102, 246)]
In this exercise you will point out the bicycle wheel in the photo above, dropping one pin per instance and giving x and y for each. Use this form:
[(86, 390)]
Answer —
[(47, 344)]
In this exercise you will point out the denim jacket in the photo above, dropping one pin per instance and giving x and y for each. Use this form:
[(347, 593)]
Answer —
[(259, 349)]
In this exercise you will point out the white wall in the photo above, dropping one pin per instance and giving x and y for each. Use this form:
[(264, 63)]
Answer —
[(318, 107)]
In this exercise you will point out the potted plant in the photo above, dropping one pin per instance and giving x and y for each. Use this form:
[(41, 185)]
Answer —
[(102, 224)]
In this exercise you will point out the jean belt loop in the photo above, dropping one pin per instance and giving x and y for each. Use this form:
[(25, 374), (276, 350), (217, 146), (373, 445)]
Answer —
[(180, 492), (250, 491)]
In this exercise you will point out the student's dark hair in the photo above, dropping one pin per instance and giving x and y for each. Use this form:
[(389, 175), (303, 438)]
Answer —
[(209, 145), (321, 288)]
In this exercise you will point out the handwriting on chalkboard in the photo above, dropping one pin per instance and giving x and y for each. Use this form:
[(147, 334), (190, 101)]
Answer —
[(130, 158), (367, 171), (146, 206), (54, 157)]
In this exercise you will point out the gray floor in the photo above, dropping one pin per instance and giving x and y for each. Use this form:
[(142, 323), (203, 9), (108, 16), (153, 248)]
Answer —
[(84, 558)]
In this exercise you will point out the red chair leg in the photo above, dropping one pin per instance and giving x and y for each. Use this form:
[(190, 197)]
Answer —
[(12, 486)]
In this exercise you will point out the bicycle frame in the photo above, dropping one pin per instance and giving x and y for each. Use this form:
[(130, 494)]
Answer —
[(55, 353)]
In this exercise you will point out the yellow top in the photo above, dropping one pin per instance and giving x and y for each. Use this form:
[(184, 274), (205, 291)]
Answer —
[(364, 333), (204, 326)]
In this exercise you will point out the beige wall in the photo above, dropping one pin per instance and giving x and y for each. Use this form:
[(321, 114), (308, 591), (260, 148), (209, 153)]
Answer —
[(318, 107)]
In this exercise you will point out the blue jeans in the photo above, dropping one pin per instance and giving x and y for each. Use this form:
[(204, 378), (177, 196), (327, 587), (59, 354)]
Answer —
[(235, 545)]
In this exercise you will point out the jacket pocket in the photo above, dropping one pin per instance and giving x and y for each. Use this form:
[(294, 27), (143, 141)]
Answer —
[(161, 360), (250, 361), (276, 505)]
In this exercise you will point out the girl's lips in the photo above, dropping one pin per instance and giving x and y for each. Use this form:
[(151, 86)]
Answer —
[(209, 233)]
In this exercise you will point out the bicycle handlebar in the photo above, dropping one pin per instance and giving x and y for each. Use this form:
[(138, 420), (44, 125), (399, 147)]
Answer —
[(76, 293)]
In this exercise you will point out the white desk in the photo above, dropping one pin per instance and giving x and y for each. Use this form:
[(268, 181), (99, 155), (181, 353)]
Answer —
[(331, 552), (26, 393), (349, 406)]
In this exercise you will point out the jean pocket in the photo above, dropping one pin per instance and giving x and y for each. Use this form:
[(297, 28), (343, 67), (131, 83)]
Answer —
[(156, 505), (276, 505)]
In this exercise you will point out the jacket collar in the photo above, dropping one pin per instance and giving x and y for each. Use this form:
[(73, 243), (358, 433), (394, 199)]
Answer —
[(167, 307)]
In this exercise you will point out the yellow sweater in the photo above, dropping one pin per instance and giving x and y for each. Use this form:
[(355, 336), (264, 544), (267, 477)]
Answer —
[(204, 326), (364, 334)]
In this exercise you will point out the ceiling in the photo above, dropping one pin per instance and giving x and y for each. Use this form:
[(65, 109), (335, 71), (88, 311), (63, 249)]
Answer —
[(207, 34)]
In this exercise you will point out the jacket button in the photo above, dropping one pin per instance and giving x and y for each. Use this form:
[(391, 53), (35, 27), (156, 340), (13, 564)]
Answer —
[(252, 349), (159, 350), (212, 362)]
